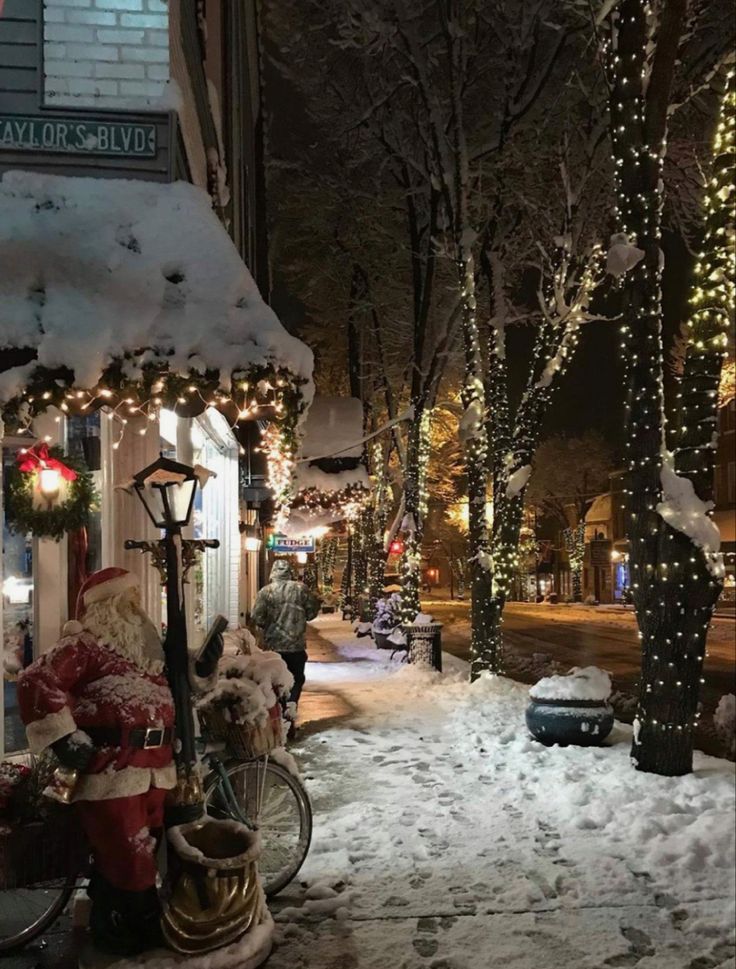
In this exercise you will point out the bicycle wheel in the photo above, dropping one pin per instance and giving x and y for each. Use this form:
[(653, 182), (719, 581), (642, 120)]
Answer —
[(25, 913), (276, 802)]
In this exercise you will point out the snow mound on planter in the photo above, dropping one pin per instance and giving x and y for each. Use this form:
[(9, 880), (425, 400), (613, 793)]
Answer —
[(92, 268), (581, 683)]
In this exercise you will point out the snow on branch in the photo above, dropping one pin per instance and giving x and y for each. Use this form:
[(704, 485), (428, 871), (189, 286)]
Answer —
[(568, 308), (685, 512)]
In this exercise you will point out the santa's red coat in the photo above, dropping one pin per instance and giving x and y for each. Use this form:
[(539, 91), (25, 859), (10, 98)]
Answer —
[(82, 683)]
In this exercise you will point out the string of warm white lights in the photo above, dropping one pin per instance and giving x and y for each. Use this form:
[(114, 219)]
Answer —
[(377, 525), (416, 510), (121, 400), (674, 590)]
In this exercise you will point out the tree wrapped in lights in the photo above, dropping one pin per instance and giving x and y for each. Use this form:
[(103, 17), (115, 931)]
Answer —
[(415, 511), (675, 566), (379, 517), (568, 281)]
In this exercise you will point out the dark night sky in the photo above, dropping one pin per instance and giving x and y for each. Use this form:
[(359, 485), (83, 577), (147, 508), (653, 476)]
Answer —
[(590, 395)]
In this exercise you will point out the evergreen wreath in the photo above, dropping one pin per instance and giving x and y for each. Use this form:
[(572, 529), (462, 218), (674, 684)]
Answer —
[(23, 515)]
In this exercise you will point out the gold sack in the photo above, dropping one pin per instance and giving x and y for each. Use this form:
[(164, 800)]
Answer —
[(216, 895)]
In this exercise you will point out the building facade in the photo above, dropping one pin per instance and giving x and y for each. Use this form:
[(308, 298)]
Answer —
[(112, 98)]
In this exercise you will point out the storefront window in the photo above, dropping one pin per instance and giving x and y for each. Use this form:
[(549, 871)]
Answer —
[(17, 616), (84, 546), (212, 586)]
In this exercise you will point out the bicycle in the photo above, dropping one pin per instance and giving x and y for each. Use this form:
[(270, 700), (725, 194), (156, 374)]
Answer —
[(258, 792)]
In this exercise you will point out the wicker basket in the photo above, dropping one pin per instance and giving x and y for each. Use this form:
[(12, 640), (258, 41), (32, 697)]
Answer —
[(244, 740), (41, 851)]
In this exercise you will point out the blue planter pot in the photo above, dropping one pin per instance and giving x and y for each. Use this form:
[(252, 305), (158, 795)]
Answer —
[(585, 723)]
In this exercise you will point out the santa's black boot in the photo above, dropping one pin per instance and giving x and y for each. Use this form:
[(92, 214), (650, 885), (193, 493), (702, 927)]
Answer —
[(123, 923)]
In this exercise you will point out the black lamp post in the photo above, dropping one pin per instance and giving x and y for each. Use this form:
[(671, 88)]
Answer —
[(166, 490)]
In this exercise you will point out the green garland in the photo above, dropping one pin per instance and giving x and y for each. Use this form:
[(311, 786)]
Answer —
[(23, 517)]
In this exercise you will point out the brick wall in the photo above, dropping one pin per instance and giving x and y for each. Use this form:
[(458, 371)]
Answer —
[(105, 53)]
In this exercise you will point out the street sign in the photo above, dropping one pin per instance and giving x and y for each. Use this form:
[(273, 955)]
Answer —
[(600, 552), (75, 136), (280, 543)]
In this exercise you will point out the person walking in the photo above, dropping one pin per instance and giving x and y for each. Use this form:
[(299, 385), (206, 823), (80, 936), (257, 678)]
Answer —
[(282, 610)]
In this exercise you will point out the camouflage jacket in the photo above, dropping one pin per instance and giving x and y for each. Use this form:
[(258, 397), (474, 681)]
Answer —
[(283, 608)]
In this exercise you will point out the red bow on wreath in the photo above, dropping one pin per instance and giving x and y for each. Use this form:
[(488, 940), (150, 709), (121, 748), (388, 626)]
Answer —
[(38, 458)]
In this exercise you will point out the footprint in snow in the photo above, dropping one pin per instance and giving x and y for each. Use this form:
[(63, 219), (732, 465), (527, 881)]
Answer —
[(425, 946)]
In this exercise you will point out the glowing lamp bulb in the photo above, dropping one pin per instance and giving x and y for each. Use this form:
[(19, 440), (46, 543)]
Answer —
[(49, 482)]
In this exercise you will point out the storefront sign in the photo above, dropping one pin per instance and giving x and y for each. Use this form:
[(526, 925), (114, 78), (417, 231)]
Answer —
[(77, 137), (600, 552), (280, 543)]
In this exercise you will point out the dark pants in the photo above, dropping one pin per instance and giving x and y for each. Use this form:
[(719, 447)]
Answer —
[(296, 661)]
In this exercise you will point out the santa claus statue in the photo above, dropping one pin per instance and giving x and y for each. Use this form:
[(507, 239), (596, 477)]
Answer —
[(100, 700)]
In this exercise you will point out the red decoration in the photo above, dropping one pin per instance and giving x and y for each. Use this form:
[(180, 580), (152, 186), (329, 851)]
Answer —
[(37, 458), (396, 547)]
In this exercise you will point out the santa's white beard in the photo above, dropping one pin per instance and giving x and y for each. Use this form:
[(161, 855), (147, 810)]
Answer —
[(127, 630)]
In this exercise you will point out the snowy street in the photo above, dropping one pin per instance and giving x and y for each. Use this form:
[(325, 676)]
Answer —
[(446, 838)]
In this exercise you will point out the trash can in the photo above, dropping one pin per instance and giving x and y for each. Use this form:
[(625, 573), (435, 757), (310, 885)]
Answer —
[(424, 644)]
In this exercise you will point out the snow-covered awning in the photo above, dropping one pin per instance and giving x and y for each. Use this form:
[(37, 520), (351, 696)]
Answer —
[(111, 283), (331, 480), (331, 456)]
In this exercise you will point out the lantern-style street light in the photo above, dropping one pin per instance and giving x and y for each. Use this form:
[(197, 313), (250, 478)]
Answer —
[(252, 540), (166, 490)]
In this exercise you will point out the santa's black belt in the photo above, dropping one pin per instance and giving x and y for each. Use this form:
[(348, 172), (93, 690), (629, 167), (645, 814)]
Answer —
[(139, 738)]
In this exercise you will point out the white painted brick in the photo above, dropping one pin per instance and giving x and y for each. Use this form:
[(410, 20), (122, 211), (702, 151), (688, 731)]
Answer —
[(145, 89), (120, 36), (67, 68), (59, 87), (84, 52), (100, 51), (54, 51), (76, 34), (127, 71), (94, 87), (119, 4), (148, 21), (150, 55), (157, 38), (157, 72), (100, 18)]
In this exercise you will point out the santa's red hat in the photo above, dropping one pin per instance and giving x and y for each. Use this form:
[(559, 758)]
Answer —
[(103, 584)]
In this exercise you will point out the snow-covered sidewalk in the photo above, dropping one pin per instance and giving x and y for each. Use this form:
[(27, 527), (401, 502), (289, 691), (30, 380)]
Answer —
[(446, 838)]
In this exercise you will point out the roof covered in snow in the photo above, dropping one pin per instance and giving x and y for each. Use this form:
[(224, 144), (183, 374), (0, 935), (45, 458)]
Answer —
[(334, 428), (95, 269), (601, 510), (331, 457)]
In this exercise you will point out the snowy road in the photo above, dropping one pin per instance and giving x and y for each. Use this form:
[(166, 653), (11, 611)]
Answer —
[(446, 839)]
